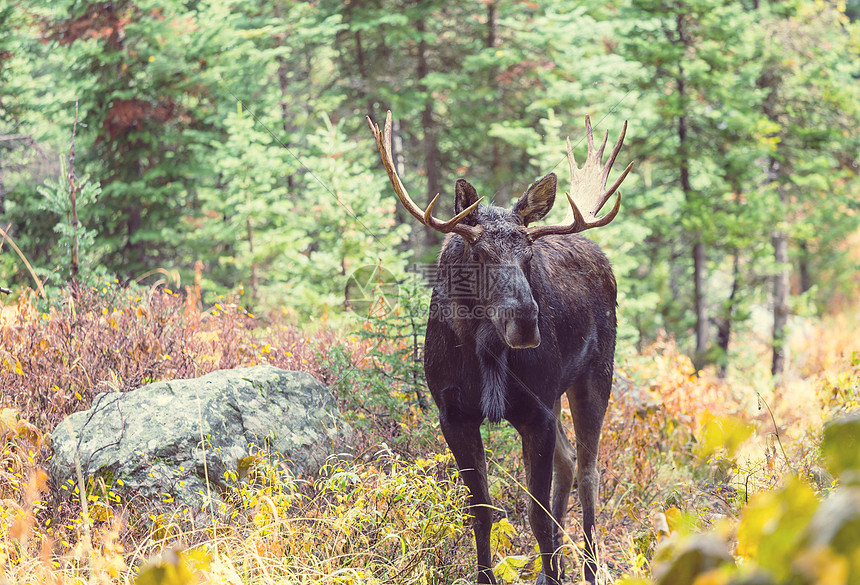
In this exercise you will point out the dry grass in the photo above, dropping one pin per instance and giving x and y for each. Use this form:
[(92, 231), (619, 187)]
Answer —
[(383, 518)]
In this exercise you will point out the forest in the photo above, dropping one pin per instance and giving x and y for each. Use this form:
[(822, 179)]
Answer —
[(188, 186)]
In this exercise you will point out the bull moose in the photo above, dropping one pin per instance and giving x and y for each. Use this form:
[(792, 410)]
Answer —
[(538, 322)]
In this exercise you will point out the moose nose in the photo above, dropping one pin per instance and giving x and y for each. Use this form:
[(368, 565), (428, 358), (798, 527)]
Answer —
[(522, 335), (521, 331)]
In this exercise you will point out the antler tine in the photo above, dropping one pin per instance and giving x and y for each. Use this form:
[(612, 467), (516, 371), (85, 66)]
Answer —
[(383, 143), (589, 134), (615, 150), (588, 193)]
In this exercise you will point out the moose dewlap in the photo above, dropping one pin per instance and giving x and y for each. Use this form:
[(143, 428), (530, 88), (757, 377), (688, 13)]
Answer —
[(541, 324)]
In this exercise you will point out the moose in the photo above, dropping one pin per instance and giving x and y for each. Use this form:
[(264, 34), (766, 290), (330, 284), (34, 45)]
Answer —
[(519, 316)]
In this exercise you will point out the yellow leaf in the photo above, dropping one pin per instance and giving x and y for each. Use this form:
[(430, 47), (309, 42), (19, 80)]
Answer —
[(501, 535), (773, 524), (822, 564), (725, 432), (841, 444), (712, 577), (506, 569), (173, 568)]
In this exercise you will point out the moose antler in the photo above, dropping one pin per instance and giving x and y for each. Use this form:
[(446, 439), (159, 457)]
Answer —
[(588, 187), (383, 142)]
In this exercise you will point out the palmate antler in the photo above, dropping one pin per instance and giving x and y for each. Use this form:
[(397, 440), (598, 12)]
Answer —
[(588, 191), (453, 225)]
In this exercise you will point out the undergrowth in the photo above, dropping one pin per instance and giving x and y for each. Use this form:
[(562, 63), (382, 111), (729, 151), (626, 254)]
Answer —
[(683, 453)]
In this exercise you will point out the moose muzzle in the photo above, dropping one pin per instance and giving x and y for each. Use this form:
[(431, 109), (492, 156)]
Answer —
[(520, 330)]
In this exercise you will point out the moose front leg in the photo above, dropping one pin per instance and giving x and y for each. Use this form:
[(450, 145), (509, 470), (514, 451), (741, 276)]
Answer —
[(464, 440), (538, 448)]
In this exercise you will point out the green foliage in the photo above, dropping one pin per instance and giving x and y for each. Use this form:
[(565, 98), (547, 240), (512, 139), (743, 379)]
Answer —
[(56, 201), (396, 338), (234, 136), (379, 372)]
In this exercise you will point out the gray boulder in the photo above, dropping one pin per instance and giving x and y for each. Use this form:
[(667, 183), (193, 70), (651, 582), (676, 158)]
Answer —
[(155, 439)]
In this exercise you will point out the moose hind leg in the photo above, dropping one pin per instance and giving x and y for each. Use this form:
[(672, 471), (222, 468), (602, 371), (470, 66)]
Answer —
[(464, 440), (588, 403), (564, 464)]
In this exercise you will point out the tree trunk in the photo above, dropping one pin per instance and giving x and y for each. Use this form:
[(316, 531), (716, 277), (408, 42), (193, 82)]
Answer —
[(500, 175), (804, 268), (431, 145), (363, 71), (780, 301), (702, 331), (698, 250), (779, 240), (254, 278), (73, 197), (724, 331), (491, 24)]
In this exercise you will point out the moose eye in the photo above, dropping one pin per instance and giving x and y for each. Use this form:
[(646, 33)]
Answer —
[(527, 257)]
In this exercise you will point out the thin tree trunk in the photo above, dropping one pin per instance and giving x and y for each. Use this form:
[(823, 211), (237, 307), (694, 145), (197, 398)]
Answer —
[(724, 331), (698, 250), (254, 278), (702, 330), (491, 24), (804, 268), (500, 184), (431, 146), (363, 71), (779, 240), (73, 196), (780, 302)]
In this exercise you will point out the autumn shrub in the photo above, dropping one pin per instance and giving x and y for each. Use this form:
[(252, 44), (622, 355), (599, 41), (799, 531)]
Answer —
[(382, 520), (788, 535), (652, 423), (378, 372), (53, 362)]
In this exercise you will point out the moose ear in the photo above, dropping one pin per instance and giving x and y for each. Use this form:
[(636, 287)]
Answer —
[(537, 200), (464, 196)]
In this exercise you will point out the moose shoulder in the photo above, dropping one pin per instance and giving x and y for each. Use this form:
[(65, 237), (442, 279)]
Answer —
[(520, 315)]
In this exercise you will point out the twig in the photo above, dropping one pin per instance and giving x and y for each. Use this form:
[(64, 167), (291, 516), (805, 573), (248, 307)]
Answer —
[(15, 138), (776, 433), (38, 282)]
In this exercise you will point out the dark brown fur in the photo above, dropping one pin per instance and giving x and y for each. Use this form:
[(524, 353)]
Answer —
[(478, 368)]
